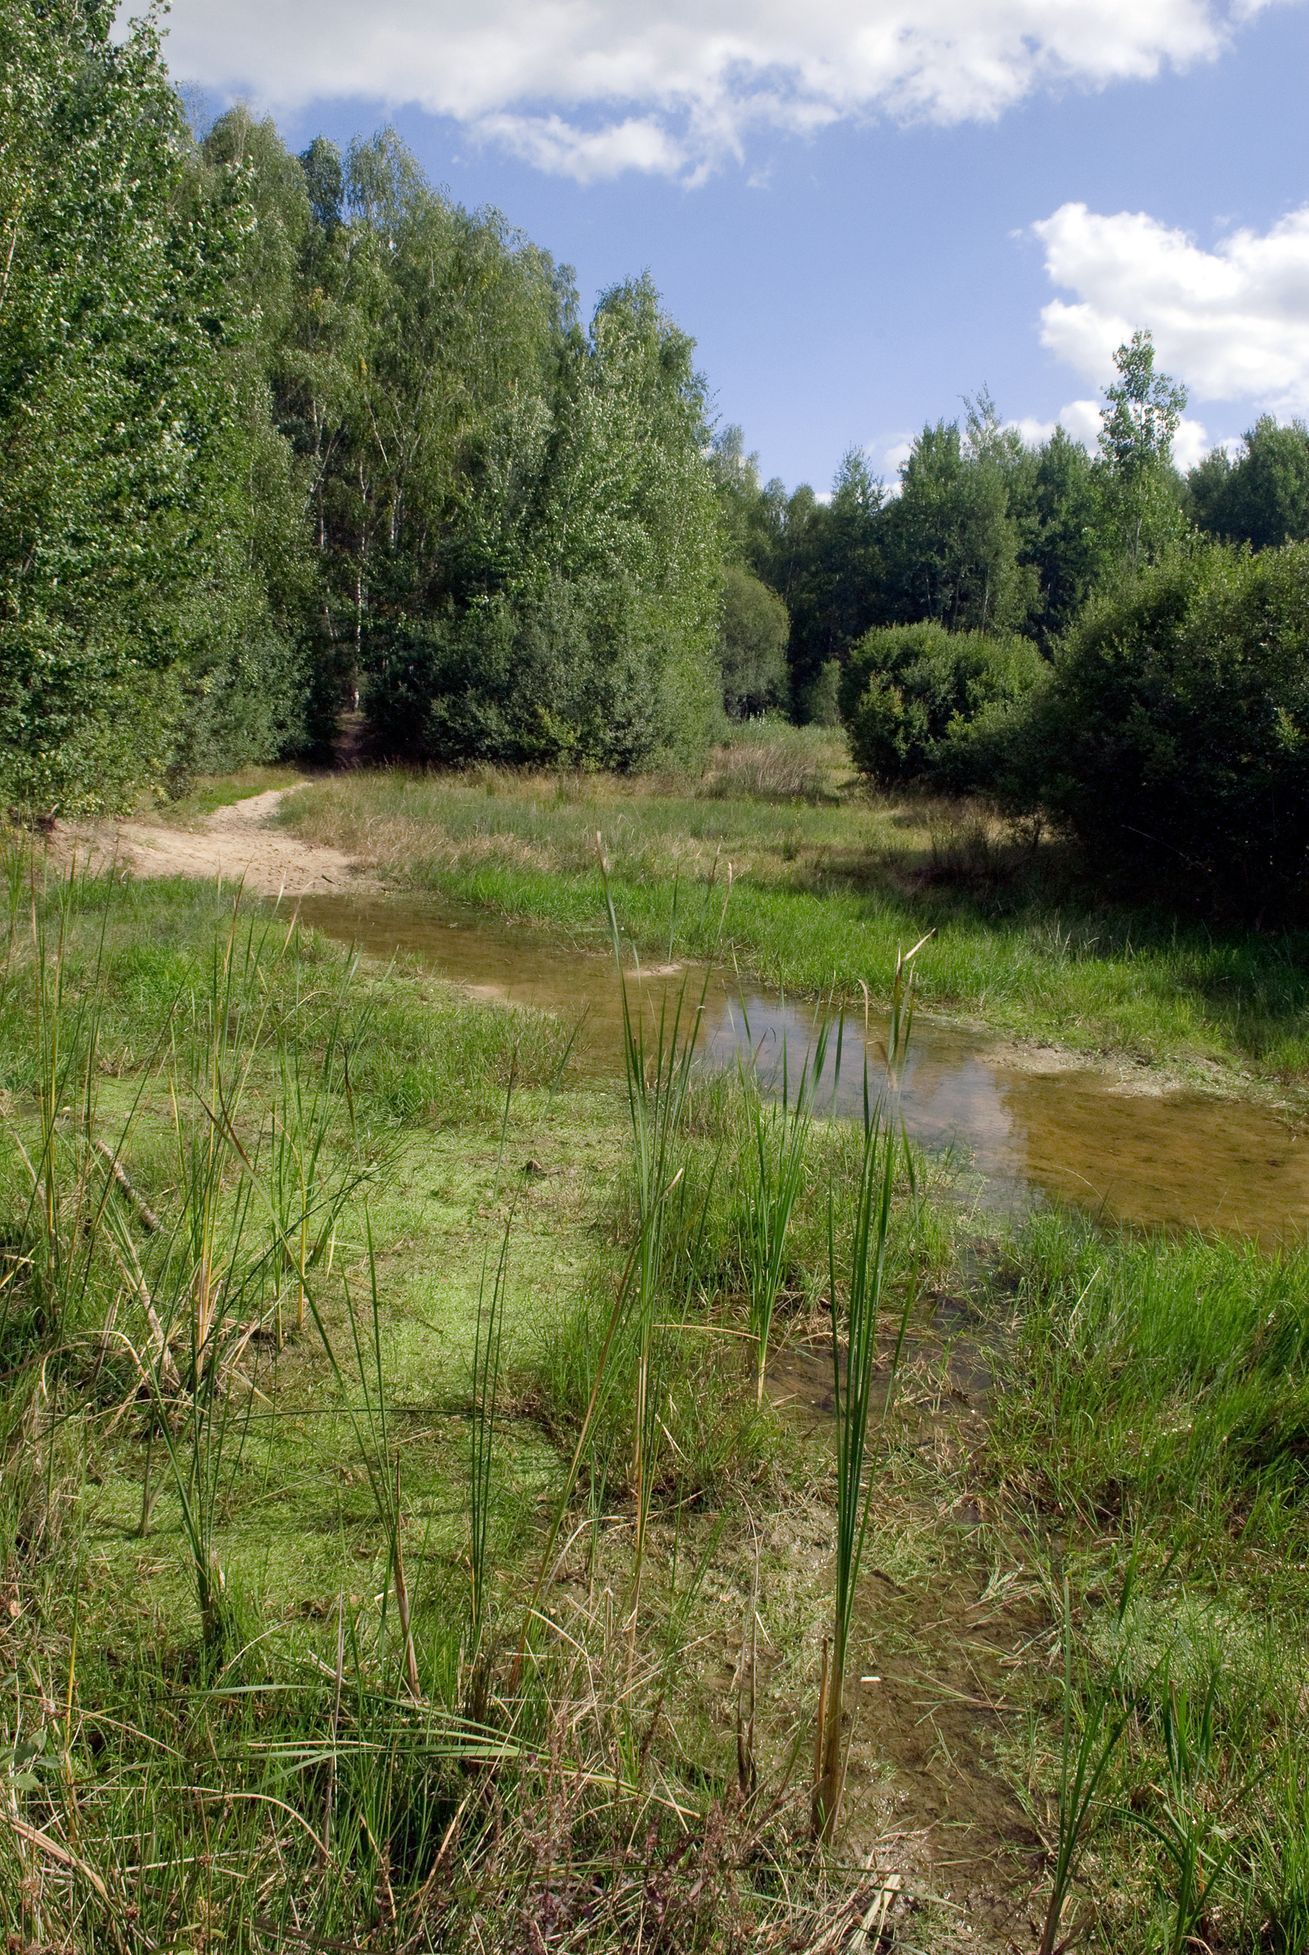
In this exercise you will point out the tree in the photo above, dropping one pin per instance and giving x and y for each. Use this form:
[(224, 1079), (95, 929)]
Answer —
[(1137, 423), (629, 514), (752, 644), (131, 596), (1066, 545), (1262, 496), (951, 540), (833, 574), (570, 603), (746, 518)]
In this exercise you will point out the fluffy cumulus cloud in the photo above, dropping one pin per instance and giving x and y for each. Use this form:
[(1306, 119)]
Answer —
[(590, 88), (1230, 320)]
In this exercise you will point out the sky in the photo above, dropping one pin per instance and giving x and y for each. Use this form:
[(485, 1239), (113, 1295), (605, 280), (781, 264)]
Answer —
[(863, 211)]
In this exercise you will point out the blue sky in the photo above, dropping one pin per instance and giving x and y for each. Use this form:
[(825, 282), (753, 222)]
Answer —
[(841, 202)]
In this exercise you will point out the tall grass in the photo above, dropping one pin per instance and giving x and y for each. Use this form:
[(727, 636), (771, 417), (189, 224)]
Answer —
[(659, 1065), (858, 1276), (772, 1180)]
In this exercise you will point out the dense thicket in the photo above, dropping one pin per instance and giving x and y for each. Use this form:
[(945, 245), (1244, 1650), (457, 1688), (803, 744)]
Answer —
[(279, 428), (1173, 738)]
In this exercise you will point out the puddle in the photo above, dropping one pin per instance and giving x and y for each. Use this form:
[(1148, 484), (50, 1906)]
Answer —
[(1177, 1159)]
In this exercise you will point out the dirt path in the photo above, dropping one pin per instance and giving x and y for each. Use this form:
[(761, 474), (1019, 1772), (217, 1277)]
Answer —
[(237, 843)]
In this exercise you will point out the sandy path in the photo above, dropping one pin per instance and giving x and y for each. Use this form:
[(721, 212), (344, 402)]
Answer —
[(236, 843)]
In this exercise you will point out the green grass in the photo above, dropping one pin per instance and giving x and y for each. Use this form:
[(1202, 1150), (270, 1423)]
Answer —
[(448, 1614), (207, 793), (824, 893), (1153, 1427)]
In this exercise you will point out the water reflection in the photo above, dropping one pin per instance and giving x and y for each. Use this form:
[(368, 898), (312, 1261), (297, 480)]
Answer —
[(1179, 1159)]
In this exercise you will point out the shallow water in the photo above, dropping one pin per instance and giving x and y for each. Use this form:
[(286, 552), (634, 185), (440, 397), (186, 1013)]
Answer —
[(1176, 1159)]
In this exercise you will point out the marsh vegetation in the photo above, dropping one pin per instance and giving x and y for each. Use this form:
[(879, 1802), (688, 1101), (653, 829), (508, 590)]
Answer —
[(401, 1550)]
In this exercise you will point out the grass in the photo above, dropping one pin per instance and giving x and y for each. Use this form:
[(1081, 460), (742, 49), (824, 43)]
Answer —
[(396, 1551), (1156, 1416), (207, 793), (825, 891)]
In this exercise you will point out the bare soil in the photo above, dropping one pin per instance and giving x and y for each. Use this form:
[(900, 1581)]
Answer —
[(237, 844)]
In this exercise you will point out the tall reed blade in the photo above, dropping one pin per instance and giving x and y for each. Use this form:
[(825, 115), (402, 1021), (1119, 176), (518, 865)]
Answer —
[(659, 1065), (773, 1182), (860, 1272)]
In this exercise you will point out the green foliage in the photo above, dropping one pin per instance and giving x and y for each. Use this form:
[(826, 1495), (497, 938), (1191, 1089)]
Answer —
[(951, 539), (821, 705), (1176, 732), (571, 673), (1137, 423), (909, 691), (751, 644), (134, 614), (835, 573), (1262, 496), (1067, 542), (629, 512)]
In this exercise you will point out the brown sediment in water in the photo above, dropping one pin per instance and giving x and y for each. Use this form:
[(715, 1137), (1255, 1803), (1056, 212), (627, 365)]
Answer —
[(935, 1657), (1033, 1123), (1118, 1141)]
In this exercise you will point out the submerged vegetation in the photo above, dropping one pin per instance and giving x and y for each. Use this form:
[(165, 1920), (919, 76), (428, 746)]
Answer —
[(394, 1528)]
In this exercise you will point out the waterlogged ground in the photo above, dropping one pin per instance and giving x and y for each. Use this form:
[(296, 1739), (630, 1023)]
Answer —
[(1121, 1140), (1086, 1450), (825, 890), (1029, 1120)]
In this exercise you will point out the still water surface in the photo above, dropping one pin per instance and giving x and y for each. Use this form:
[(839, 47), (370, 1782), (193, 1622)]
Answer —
[(1175, 1159)]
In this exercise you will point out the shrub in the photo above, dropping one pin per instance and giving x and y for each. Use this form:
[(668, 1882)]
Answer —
[(910, 691), (1174, 741), (573, 673)]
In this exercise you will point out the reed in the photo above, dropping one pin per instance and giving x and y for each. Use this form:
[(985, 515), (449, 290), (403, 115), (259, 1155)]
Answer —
[(659, 1063), (856, 1277), (1093, 1723), (772, 1183)]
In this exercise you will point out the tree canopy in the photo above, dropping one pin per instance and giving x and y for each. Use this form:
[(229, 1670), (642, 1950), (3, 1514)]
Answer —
[(280, 429)]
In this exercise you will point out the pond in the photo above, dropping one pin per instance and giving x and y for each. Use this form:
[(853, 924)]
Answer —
[(1032, 1123)]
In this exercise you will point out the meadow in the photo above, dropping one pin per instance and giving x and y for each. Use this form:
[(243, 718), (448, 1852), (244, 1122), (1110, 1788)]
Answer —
[(454, 1503)]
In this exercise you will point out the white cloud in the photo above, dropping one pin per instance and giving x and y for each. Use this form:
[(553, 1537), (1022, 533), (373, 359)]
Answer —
[(593, 87), (1080, 419), (1231, 322), (551, 143), (1191, 443), (894, 456)]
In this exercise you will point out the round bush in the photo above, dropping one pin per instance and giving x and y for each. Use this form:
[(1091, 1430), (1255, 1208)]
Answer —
[(909, 691)]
